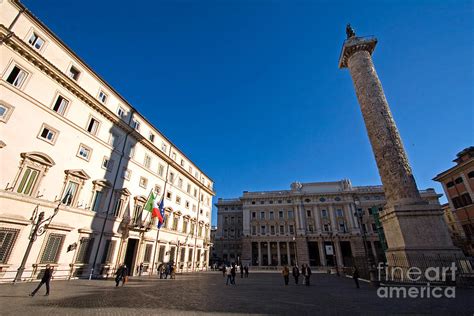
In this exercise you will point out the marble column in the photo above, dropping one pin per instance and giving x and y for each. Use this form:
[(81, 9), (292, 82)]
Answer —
[(259, 253), (322, 253), (411, 225), (269, 254), (332, 218), (288, 252), (278, 253)]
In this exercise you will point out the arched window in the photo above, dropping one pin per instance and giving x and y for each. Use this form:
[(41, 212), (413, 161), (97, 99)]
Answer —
[(33, 168)]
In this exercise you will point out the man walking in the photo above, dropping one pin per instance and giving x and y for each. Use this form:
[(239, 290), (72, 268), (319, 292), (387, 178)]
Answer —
[(48, 274), (355, 276), (233, 272), (246, 268), (296, 273), (307, 275), (228, 273)]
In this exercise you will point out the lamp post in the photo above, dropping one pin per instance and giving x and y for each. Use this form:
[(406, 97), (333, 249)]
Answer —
[(296, 251), (40, 224), (370, 261), (334, 257)]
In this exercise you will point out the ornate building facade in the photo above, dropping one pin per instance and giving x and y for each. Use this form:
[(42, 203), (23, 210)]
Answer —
[(71, 146), (322, 223)]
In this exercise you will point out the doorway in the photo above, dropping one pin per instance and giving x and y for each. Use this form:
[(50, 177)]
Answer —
[(130, 255)]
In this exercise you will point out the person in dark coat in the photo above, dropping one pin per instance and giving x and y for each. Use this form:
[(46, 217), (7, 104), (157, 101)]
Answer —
[(118, 275), (241, 267), (355, 276), (246, 268), (303, 272), (296, 273), (124, 274), (233, 272), (307, 274), (48, 274)]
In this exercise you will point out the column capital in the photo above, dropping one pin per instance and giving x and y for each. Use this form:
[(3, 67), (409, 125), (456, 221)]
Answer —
[(353, 45)]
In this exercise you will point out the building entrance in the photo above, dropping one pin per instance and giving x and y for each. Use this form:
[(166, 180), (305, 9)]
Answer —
[(130, 255)]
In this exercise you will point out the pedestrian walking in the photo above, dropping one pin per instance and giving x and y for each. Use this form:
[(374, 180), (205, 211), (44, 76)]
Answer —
[(303, 272), (286, 274), (241, 268), (161, 270), (140, 269), (124, 274), (173, 271), (307, 275), (233, 272), (296, 273), (355, 276), (48, 274), (223, 270), (246, 268), (228, 273), (167, 270)]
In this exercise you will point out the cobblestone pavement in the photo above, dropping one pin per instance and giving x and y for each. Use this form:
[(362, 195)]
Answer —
[(206, 293)]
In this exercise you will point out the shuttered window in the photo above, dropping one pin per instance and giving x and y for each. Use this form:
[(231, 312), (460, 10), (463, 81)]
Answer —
[(147, 253), (108, 251), (85, 250), (52, 249), (7, 240)]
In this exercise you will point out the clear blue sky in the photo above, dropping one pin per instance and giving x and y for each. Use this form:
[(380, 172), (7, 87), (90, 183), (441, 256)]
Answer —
[(251, 91)]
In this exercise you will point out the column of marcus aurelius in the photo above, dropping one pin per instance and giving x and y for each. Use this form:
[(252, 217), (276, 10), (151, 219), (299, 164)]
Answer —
[(412, 226)]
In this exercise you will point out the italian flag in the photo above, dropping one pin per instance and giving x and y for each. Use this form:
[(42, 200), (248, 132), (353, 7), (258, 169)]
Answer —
[(152, 205)]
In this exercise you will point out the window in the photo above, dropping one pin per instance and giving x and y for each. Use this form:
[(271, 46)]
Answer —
[(52, 249), (131, 151), (180, 183), (173, 156), (60, 105), (187, 204), (136, 125), (254, 230), (324, 213), (121, 112), (185, 226), (137, 212), (70, 193), (93, 126), (262, 215), (118, 206), (151, 137), (282, 229), (108, 251), (178, 199), (168, 195), (84, 152), (161, 170), (171, 177), (73, 73), (143, 182), (28, 181), (163, 147), (5, 112), (36, 41), (127, 173), (342, 226), (195, 192), (182, 162), (17, 76), (107, 163), (458, 180), (272, 230), (290, 214), (280, 214), (102, 96), (147, 161), (339, 212), (32, 168), (308, 213), (7, 241), (470, 175), (193, 228), (450, 184), (190, 170), (85, 250), (326, 227), (97, 201), (188, 188), (147, 256), (271, 215), (48, 134), (175, 223), (291, 229)]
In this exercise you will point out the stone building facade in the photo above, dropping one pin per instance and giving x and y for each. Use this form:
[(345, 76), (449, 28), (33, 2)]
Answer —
[(458, 184), (71, 143), (318, 223)]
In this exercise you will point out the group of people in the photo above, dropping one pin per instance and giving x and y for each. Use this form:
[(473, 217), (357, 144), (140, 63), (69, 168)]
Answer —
[(166, 270), (231, 271), (305, 272)]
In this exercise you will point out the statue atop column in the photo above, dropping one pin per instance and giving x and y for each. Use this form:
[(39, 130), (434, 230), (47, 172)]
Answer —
[(350, 31)]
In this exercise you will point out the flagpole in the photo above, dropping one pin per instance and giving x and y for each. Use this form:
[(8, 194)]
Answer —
[(158, 231)]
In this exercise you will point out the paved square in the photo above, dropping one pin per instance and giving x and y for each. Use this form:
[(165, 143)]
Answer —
[(261, 293)]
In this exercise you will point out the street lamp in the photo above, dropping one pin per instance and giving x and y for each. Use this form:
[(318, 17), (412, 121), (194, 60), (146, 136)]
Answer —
[(296, 251), (334, 257), (369, 258), (40, 224)]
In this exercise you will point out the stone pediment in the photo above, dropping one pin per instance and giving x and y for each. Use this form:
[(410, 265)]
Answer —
[(38, 157), (79, 173)]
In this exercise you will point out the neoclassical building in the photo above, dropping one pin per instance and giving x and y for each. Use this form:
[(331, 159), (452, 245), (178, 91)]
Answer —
[(71, 146), (320, 223)]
